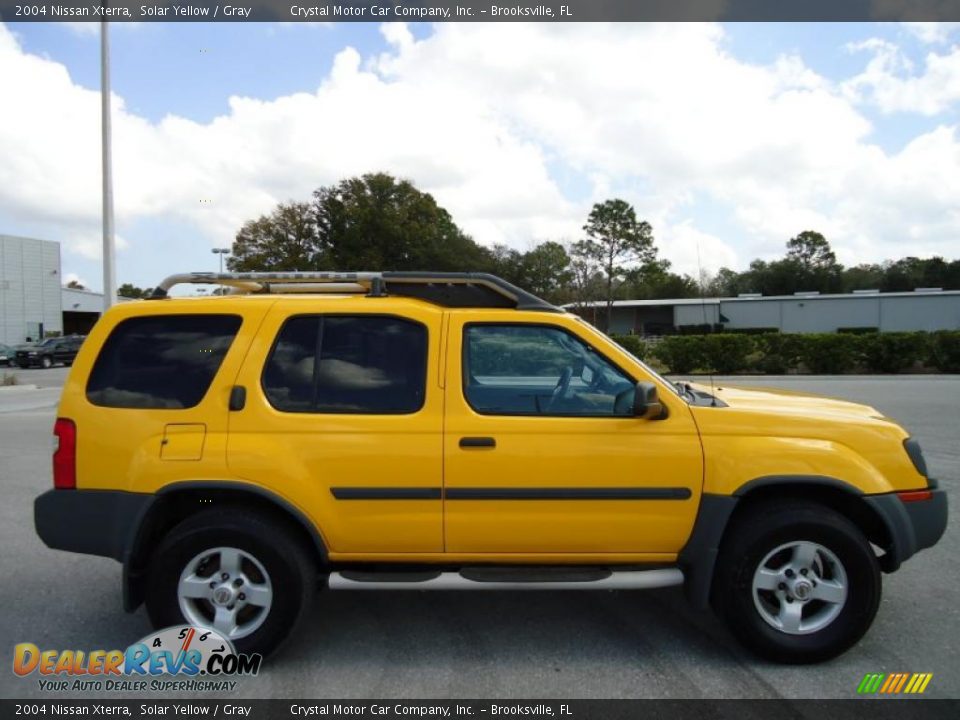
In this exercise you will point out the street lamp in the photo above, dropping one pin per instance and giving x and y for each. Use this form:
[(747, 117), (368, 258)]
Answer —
[(221, 252), (109, 259)]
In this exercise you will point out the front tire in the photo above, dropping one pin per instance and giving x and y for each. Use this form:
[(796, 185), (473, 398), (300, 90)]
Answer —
[(797, 582), (46, 362), (235, 571)]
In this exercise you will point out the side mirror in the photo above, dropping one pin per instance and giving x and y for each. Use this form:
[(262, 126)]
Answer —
[(646, 402)]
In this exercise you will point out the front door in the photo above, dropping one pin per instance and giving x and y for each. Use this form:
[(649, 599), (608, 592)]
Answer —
[(543, 455)]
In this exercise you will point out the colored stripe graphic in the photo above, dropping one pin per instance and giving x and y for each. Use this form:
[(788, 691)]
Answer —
[(918, 683), (870, 683), (894, 683)]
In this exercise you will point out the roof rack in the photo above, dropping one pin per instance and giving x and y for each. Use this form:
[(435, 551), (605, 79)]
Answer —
[(449, 289)]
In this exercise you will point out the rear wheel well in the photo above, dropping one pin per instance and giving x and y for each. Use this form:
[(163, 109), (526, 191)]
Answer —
[(175, 505), (846, 503)]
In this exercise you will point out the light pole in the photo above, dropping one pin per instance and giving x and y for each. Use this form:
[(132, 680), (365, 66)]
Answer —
[(109, 264), (221, 252)]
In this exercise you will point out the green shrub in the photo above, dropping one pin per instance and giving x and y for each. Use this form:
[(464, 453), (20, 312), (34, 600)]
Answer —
[(943, 350), (858, 330), (632, 344), (726, 354), (751, 330), (778, 353), (681, 353), (893, 351), (830, 353), (701, 329)]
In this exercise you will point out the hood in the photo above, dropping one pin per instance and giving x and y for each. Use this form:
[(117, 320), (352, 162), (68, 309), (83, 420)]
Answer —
[(775, 400)]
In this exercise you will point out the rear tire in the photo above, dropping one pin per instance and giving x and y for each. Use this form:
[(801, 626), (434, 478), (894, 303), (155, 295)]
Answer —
[(797, 582), (199, 573)]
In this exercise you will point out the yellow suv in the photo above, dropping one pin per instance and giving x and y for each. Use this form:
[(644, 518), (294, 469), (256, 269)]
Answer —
[(398, 431)]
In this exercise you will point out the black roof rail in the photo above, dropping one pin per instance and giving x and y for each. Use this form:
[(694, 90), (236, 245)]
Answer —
[(449, 289)]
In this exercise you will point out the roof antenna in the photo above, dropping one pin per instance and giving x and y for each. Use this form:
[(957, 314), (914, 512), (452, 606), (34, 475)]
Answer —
[(703, 305)]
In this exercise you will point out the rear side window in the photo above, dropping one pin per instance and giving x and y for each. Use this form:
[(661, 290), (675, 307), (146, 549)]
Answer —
[(161, 361), (348, 364)]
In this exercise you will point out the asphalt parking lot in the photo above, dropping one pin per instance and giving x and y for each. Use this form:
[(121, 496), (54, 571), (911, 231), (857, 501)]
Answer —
[(532, 645)]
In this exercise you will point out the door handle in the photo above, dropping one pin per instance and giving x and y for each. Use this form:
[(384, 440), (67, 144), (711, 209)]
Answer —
[(477, 442)]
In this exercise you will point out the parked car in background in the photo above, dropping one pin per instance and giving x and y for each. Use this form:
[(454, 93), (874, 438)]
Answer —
[(49, 352), (7, 354)]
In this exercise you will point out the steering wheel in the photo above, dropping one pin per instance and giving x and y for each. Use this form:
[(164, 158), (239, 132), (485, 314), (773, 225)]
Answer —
[(563, 384)]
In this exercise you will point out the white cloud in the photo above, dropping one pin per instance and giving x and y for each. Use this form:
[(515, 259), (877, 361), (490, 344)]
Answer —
[(488, 116), (694, 252), (935, 33), (890, 82), (73, 277)]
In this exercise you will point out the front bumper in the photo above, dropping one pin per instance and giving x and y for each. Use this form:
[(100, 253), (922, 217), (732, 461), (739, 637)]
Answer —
[(93, 522), (913, 526)]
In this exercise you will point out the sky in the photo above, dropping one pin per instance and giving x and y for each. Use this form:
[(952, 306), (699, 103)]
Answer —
[(728, 138)]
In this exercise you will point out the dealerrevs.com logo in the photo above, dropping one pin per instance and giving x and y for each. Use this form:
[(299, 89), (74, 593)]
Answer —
[(183, 658)]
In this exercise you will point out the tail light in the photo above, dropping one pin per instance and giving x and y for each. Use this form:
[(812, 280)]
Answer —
[(64, 454)]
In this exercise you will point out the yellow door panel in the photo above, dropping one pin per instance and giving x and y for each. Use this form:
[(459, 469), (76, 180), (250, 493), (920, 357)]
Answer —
[(183, 441), (542, 483), (370, 481), (120, 432)]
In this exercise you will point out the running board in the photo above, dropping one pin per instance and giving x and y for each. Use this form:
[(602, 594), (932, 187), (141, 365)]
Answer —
[(477, 579)]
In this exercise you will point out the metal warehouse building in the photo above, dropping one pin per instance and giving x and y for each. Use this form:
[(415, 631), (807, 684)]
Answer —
[(32, 302), (924, 309)]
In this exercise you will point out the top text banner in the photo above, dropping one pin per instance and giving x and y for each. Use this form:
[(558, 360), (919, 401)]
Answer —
[(467, 11)]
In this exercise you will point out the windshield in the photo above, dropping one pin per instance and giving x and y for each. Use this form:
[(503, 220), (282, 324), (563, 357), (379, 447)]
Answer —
[(673, 388)]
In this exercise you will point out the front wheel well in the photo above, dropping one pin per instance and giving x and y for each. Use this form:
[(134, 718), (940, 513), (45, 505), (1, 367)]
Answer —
[(175, 504), (847, 503)]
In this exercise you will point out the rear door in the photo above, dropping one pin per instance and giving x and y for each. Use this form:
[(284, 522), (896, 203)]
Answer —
[(343, 418)]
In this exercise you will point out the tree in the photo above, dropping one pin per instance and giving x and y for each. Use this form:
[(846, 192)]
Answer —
[(373, 222), (811, 250), (508, 264), (376, 222), (545, 270), (615, 240), (75, 285), (286, 239), (128, 290), (586, 282), (810, 256)]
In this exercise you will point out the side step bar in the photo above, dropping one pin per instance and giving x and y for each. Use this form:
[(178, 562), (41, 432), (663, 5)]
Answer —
[(474, 579)]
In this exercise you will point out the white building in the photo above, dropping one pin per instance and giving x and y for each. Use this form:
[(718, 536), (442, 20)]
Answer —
[(923, 309), (30, 279), (32, 302)]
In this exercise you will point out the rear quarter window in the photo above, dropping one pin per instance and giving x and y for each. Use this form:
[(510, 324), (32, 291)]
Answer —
[(161, 361)]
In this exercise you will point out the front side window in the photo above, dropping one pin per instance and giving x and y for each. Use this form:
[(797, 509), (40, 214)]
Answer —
[(540, 370), (161, 361), (348, 364)]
